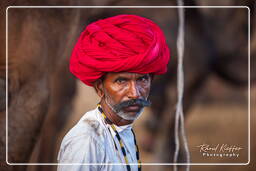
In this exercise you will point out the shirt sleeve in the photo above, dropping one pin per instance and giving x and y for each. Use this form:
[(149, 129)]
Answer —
[(83, 149)]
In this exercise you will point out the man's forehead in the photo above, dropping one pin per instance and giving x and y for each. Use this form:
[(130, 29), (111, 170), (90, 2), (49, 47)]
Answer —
[(124, 74)]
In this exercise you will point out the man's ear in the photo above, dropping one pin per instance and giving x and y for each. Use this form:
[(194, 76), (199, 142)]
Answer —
[(98, 86)]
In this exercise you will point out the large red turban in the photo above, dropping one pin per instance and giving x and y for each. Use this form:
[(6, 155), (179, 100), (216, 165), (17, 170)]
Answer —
[(123, 43)]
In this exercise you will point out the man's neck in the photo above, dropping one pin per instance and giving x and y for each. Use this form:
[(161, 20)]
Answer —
[(112, 116)]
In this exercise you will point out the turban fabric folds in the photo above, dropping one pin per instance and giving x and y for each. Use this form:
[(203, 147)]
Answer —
[(123, 43)]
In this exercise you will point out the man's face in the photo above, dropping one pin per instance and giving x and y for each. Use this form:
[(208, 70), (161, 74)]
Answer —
[(126, 93)]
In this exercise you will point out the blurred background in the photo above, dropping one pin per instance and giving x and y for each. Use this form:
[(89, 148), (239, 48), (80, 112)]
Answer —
[(45, 100)]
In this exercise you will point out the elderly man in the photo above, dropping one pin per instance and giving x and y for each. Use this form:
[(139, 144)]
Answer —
[(118, 56)]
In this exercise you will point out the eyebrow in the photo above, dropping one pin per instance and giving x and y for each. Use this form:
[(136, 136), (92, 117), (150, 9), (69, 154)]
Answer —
[(146, 75), (121, 77)]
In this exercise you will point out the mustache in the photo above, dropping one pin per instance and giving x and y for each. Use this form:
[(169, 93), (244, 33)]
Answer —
[(139, 102)]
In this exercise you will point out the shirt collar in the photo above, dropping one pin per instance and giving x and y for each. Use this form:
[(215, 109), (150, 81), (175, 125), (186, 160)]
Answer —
[(123, 127), (118, 128)]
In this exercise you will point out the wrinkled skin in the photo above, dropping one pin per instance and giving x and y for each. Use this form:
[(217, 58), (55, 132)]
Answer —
[(120, 87)]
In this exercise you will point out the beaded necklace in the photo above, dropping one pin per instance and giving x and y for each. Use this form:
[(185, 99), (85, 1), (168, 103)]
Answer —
[(121, 142)]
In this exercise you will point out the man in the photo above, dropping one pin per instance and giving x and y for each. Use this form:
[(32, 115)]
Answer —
[(118, 56)]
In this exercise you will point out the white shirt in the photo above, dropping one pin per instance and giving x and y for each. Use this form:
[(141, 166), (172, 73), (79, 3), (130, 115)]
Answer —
[(90, 141)]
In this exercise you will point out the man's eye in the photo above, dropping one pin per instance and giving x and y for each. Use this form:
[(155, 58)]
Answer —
[(120, 80), (144, 78)]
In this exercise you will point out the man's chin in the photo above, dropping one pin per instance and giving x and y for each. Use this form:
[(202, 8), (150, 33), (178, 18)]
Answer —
[(130, 115)]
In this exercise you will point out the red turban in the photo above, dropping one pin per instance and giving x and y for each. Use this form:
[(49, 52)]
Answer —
[(123, 43)]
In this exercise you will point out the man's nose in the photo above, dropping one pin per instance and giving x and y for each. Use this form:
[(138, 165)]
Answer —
[(133, 92)]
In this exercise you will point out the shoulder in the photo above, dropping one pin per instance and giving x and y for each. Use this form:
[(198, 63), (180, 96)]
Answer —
[(86, 137), (89, 125)]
